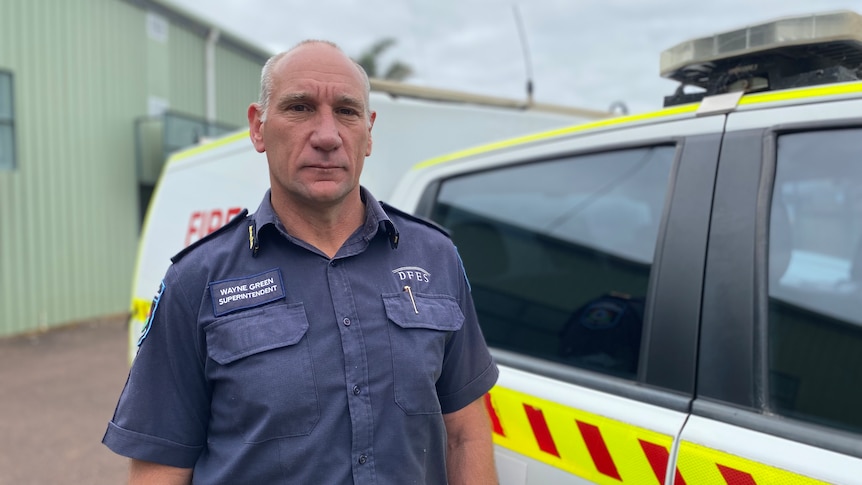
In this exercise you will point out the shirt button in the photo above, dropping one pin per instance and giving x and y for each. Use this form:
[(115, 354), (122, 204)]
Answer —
[(333, 263), (362, 459), (346, 322), (356, 390)]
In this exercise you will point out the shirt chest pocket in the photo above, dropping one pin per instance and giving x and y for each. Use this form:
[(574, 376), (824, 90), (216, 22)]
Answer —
[(263, 377), (419, 329)]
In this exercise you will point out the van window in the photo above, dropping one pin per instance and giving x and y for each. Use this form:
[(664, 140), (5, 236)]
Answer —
[(815, 278), (558, 252)]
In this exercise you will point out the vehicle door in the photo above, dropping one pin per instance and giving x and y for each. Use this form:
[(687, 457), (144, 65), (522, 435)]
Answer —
[(779, 380), (585, 257)]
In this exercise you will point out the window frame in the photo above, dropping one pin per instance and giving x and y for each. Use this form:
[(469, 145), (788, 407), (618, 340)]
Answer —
[(10, 122)]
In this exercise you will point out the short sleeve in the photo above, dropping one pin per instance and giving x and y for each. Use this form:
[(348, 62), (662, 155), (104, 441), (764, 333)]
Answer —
[(469, 371), (163, 411)]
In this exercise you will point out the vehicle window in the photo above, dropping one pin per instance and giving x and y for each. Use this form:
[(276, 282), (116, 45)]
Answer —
[(558, 252), (815, 278)]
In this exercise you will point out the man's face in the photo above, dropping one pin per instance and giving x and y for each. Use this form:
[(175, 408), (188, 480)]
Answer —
[(317, 131)]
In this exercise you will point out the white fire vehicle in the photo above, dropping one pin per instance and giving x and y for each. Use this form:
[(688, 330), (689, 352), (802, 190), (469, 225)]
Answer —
[(676, 297)]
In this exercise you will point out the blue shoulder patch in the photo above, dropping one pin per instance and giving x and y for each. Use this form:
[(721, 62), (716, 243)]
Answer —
[(463, 270), (153, 307)]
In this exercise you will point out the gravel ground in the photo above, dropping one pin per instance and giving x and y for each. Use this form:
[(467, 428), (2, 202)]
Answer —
[(58, 390)]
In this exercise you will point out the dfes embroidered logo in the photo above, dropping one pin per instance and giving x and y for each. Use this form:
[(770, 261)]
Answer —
[(412, 273)]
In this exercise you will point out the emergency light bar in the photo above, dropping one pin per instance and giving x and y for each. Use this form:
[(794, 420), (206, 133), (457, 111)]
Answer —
[(788, 52)]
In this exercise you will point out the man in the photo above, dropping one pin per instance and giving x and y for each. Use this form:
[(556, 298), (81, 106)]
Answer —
[(321, 340)]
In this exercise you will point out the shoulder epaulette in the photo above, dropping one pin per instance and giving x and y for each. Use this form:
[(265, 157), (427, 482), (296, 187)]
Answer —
[(233, 222), (421, 220)]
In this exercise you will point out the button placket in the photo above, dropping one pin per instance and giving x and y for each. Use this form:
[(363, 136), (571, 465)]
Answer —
[(355, 370)]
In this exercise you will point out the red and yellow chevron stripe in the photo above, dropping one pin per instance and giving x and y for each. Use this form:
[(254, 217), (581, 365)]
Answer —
[(607, 451)]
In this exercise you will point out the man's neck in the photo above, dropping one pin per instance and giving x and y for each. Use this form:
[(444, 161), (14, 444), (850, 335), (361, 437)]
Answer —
[(326, 228)]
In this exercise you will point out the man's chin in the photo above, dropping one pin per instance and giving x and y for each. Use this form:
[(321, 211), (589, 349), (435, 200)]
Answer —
[(330, 192)]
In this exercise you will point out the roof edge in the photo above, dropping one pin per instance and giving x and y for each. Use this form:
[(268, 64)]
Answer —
[(202, 27), (395, 88)]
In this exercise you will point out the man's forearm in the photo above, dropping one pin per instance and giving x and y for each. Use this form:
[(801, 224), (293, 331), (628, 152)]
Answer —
[(470, 448), (471, 463), (148, 473)]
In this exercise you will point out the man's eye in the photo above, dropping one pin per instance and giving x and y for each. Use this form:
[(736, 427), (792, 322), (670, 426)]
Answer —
[(297, 107), (347, 111)]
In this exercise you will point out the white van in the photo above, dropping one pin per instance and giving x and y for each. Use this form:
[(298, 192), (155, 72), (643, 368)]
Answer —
[(676, 297), (203, 187)]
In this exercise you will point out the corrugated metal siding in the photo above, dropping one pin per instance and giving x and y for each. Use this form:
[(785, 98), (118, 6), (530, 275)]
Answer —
[(67, 241), (237, 79), (237, 86), (11, 220), (188, 88), (68, 212)]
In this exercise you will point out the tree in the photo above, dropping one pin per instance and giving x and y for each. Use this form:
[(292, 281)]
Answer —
[(397, 71)]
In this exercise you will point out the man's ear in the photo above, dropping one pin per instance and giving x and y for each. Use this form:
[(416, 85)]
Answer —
[(255, 127), (371, 119)]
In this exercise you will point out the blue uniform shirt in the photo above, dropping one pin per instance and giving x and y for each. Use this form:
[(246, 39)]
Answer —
[(267, 362)]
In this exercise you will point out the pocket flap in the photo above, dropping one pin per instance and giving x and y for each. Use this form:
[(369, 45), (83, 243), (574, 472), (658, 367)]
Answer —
[(435, 312), (255, 331)]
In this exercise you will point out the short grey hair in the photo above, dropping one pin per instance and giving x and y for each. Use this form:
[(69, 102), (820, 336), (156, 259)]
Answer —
[(269, 67)]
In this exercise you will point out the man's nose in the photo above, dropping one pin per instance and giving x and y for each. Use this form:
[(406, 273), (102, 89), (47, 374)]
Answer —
[(326, 136)]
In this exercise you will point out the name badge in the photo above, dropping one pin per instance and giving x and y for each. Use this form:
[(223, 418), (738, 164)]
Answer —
[(241, 293)]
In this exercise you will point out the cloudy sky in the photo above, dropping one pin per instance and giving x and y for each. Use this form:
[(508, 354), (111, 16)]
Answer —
[(584, 53)]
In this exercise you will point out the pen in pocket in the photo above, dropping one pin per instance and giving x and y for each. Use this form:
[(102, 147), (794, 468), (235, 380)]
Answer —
[(410, 292)]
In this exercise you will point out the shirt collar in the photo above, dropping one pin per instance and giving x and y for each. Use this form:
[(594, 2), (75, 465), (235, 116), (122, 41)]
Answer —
[(376, 221)]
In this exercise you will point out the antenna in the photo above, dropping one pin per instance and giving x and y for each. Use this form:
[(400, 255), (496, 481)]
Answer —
[(522, 35)]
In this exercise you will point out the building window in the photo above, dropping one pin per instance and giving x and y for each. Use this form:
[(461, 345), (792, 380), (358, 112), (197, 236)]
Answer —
[(558, 252), (7, 122)]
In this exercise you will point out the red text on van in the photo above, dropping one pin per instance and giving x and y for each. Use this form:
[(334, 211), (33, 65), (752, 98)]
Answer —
[(204, 222)]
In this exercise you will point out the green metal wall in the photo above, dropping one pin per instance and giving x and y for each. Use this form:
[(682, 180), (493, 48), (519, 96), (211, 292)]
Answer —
[(83, 72), (186, 76), (238, 86)]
